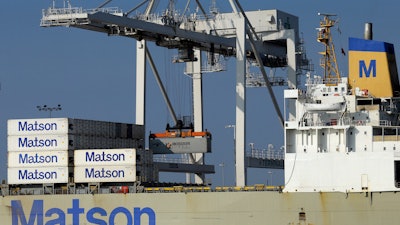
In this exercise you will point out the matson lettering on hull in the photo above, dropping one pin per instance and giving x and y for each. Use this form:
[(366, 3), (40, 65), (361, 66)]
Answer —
[(77, 215)]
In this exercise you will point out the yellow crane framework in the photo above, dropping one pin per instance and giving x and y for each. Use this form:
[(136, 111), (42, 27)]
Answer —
[(328, 61)]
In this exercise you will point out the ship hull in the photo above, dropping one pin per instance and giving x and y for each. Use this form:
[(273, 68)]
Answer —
[(203, 208)]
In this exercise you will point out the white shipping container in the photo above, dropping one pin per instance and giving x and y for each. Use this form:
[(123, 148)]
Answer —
[(104, 174), (38, 159), (37, 126), (52, 142), (46, 126), (41, 175), (93, 157), (38, 143)]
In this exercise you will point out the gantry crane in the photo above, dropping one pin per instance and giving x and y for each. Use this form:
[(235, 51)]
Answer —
[(266, 37)]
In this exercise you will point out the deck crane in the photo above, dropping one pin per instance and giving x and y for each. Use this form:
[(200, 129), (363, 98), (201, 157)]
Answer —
[(266, 37)]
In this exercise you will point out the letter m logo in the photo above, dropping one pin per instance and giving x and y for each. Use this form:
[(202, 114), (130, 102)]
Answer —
[(367, 71)]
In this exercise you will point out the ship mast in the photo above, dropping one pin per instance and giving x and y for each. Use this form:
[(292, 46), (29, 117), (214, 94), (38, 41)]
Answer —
[(328, 60)]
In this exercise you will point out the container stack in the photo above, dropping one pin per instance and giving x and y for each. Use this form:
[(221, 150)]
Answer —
[(38, 151), (44, 150), (145, 171), (105, 165)]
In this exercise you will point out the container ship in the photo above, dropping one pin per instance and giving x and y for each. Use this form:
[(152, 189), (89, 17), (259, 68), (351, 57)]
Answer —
[(341, 134)]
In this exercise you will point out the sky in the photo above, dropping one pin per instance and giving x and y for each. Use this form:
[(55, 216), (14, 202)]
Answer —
[(92, 75)]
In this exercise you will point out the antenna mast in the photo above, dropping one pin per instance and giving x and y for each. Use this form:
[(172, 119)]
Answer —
[(328, 61)]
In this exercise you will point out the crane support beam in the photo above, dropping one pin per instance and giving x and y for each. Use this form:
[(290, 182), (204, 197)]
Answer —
[(264, 163), (158, 32), (215, 35), (184, 168), (140, 82), (240, 139), (116, 24), (198, 110)]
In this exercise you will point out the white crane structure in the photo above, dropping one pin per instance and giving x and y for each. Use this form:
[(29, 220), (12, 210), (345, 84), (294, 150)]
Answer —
[(267, 38)]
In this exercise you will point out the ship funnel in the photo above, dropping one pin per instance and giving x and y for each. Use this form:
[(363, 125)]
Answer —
[(372, 67), (368, 31)]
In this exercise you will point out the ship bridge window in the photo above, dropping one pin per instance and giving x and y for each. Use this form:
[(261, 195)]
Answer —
[(397, 174), (369, 101), (385, 133), (377, 131), (389, 131)]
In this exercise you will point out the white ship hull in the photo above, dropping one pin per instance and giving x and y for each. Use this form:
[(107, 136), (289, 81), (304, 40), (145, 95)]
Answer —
[(204, 208)]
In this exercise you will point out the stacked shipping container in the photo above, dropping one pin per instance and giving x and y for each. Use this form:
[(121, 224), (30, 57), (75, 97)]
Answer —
[(42, 150), (105, 165), (38, 151)]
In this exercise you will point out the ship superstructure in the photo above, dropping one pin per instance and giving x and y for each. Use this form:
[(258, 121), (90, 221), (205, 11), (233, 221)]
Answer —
[(344, 134)]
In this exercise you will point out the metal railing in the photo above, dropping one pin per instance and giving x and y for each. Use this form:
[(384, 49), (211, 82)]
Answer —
[(166, 159), (78, 10), (266, 154), (138, 189), (345, 121), (72, 15)]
